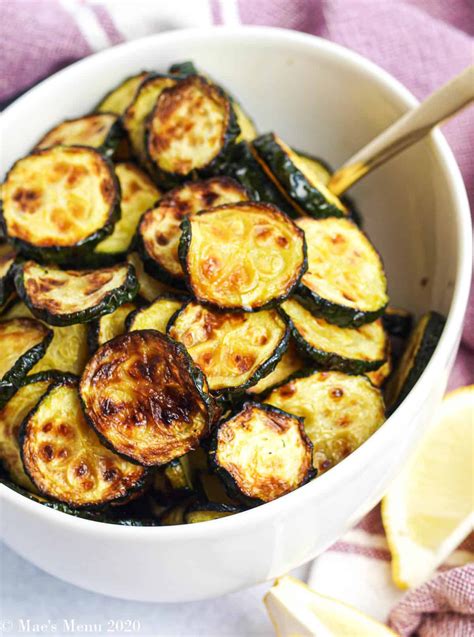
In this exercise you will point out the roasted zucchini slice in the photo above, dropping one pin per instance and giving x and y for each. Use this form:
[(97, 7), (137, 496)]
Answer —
[(136, 115), (63, 297), (397, 321), (138, 194), (155, 316), (183, 69), (262, 453), (191, 128), (174, 514), (23, 342), (290, 363), (380, 375), (297, 179), (243, 256), (207, 511), (119, 98), (345, 281), (11, 417), (340, 412), (59, 202), (418, 351), (64, 458), (233, 349), (159, 230), (149, 288), (101, 131), (354, 350), (145, 397), (7, 262), (213, 488), (179, 474), (108, 326)]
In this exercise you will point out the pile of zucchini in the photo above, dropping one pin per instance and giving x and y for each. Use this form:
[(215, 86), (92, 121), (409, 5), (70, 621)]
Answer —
[(191, 323)]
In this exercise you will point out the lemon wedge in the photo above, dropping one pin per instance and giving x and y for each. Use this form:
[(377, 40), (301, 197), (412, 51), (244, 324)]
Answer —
[(429, 509), (298, 611)]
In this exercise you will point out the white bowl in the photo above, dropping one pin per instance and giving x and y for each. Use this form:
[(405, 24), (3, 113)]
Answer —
[(321, 98)]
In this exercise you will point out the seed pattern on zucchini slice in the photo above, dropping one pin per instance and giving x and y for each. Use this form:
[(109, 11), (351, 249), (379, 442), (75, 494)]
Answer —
[(191, 128), (109, 326), (138, 194), (290, 363), (101, 131), (262, 453), (63, 297), (149, 288), (64, 458), (23, 342), (246, 256), (353, 350), (159, 230), (233, 349), (119, 98), (155, 316), (207, 511), (7, 262), (135, 116), (145, 397), (345, 281), (59, 202), (11, 417), (340, 412), (296, 179), (418, 351)]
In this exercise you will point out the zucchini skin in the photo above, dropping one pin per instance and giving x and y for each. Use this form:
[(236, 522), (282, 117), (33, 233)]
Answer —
[(116, 297), (77, 252), (183, 69), (292, 180), (211, 507), (397, 322), (180, 298), (7, 284), (139, 78)]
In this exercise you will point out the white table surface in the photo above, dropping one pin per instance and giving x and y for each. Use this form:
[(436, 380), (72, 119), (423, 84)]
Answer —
[(28, 593)]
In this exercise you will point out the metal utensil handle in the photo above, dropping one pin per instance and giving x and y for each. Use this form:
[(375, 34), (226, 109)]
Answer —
[(410, 128)]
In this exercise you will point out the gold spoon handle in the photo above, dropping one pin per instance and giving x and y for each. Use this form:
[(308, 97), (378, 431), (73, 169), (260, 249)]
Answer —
[(410, 128)]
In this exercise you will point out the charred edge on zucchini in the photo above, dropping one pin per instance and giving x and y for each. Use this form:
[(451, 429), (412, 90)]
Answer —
[(340, 412), (149, 287), (108, 326), (174, 514), (23, 342), (418, 352), (294, 178), (138, 194), (146, 398), (159, 229), (397, 322), (262, 453), (157, 315), (352, 350), (101, 131), (290, 363), (64, 458), (345, 281), (234, 350), (7, 286), (260, 236), (64, 297), (119, 98), (211, 488), (207, 511), (70, 203), (191, 128)]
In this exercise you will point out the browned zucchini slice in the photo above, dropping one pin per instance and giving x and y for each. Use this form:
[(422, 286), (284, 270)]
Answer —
[(138, 194), (380, 375), (145, 398), (290, 363), (345, 282), (59, 202), (207, 511), (119, 98), (180, 475), (233, 349), (191, 128), (349, 349), (101, 131), (7, 261), (135, 116), (247, 256), (63, 297), (262, 453), (214, 489), (64, 458), (23, 342), (157, 315), (11, 417), (159, 230), (109, 326), (340, 412), (149, 288)]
